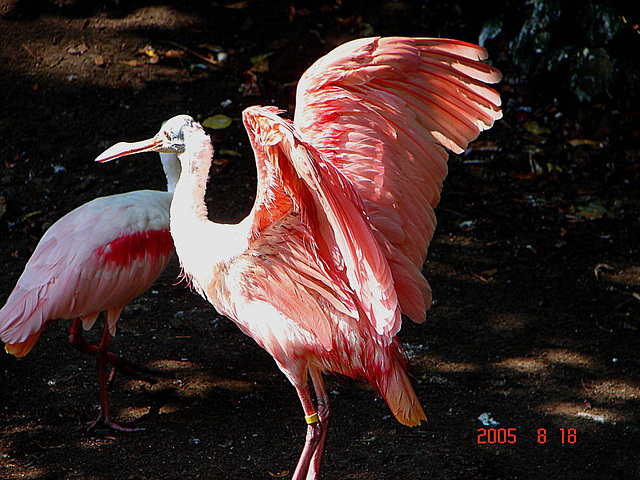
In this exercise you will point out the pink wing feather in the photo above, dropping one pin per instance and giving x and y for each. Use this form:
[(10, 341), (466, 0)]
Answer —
[(382, 111), (291, 172), (98, 257)]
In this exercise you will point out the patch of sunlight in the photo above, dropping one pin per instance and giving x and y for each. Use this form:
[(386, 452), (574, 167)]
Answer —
[(28, 472), (84, 44), (13, 429), (545, 359), (566, 357), (133, 413), (174, 365), (161, 16), (93, 443), (523, 364), (169, 408), (448, 366), (579, 411), (612, 390), (187, 379)]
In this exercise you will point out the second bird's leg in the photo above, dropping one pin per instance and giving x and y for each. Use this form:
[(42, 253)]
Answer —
[(104, 417), (125, 366), (315, 435)]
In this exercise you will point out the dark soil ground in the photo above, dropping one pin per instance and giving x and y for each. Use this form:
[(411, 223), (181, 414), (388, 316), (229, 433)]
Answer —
[(521, 327)]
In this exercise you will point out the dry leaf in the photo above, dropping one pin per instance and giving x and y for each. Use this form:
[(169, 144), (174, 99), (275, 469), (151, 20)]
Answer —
[(238, 5), (217, 122), (489, 273), (31, 214), (174, 53), (149, 51), (281, 474), (576, 142), (78, 49), (219, 162), (346, 21), (535, 128), (230, 153), (261, 62), (99, 60), (592, 211)]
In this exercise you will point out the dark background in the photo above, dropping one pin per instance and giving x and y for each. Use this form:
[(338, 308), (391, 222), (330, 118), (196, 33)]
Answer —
[(521, 326)]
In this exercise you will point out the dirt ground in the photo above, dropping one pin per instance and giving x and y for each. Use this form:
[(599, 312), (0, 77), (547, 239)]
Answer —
[(521, 327)]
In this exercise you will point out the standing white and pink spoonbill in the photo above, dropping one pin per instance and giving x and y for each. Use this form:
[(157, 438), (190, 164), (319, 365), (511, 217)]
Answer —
[(331, 254), (97, 258)]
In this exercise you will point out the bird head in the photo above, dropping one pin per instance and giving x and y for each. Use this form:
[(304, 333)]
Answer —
[(170, 139)]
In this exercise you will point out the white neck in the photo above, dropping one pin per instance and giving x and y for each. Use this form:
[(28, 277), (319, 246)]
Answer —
[(202, 246), (171, 167)]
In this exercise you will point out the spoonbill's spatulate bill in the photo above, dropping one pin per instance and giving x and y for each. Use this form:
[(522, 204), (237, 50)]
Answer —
[(332, 251)]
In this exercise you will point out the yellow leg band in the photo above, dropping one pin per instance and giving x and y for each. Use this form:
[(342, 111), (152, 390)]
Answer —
[(311, 419)]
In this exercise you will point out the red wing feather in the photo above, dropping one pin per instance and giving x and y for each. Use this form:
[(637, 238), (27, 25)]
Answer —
[(382, 111)]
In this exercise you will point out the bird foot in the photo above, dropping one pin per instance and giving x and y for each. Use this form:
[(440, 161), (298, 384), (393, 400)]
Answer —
[(106, 422)]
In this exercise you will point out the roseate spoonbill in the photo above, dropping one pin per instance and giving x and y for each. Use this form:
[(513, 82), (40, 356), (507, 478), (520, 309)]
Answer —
[(332, 251), (96, 258)]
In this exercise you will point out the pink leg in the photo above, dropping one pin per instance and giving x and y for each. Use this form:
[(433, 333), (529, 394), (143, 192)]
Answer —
[(79, 343), (104, 417), (324, 414), (314, 434)]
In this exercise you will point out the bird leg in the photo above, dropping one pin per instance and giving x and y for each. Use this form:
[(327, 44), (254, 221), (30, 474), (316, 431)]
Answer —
[(324, 414), (104, 417), (316, 432), (125, 366)]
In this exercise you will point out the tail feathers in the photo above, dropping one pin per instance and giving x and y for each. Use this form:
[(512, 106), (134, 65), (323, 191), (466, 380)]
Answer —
[(20, 349), (21, 320), (395, 387)]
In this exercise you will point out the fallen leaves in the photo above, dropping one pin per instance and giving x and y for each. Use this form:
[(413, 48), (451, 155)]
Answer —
[(260, 62), (281, 474), (217, 122), (80, 49), (535, 128), (237, 5), (151, 53), (577, 142), (593, 210)]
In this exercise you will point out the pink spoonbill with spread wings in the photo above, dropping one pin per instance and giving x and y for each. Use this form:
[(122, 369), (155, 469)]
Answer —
[(96, 258), (331, 254)]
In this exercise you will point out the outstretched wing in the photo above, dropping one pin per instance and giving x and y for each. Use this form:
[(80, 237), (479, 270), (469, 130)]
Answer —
[(382, 111), (294, 177)]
